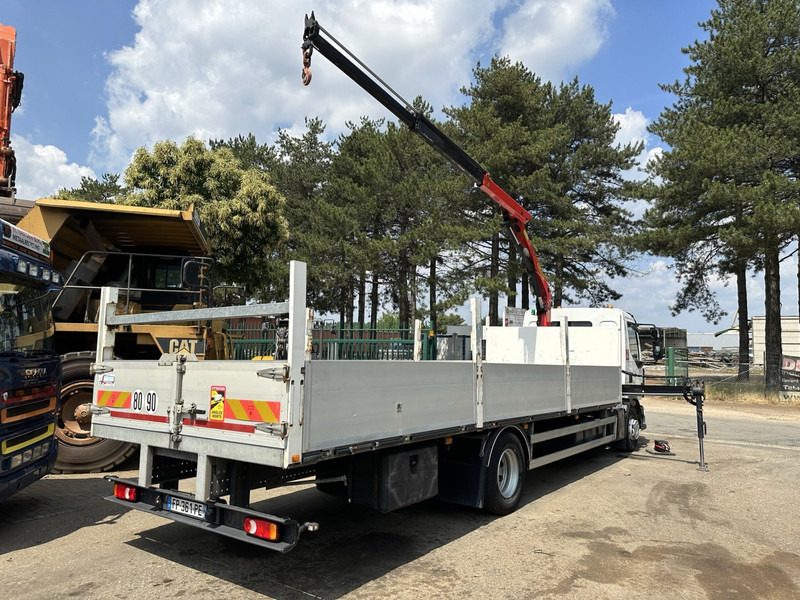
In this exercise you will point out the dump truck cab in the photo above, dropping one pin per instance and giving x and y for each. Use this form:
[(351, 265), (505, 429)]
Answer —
[(154, 257)]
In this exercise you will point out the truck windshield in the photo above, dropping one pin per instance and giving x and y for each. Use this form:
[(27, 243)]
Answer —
[(26, 323)]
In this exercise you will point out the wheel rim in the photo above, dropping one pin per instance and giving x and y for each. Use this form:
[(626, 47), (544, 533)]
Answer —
[(508, 473), (633, 429), (74, 428)]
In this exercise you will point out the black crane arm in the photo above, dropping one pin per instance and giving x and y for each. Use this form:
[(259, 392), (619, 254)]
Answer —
[(516, 217)]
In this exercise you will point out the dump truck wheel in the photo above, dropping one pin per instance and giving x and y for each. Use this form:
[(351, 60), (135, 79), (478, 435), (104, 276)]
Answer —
[(78, 451), (506, 475)]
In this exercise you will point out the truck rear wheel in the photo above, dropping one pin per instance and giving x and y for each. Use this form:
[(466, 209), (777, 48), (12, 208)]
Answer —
[(78, 451), (506, 475)]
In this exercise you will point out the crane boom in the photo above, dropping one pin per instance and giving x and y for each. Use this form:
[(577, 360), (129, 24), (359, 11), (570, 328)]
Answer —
[(10, 95), (516, 217)]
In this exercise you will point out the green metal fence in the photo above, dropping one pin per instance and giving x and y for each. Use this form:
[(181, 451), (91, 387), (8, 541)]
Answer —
[(676, 366), (250, 338)]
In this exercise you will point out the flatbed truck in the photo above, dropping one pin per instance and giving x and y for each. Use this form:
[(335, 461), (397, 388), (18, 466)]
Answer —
[(385, 434)]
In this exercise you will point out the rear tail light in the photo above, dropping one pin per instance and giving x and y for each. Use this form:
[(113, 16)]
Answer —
[(125, 492), (260, 528)]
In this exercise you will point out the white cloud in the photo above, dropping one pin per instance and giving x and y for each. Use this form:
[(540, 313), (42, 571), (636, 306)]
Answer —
[(553, 37), (211, 69), (43, 169), (633, 130), (632, 127)]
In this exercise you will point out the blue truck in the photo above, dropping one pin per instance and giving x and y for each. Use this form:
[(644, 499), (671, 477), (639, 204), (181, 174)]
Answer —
[(30, 370)]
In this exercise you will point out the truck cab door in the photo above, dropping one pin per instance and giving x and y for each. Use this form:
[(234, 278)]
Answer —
[(633, 352)]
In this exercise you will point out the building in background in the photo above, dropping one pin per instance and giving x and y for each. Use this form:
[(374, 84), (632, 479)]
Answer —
[(790, 337)]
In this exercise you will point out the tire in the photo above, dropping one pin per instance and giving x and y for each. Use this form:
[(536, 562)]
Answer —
[(633, 427), (78, 451), (505, 476)]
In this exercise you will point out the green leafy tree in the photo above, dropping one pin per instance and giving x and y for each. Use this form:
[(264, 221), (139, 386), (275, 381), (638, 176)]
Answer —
[(240, 208), (581, 207)]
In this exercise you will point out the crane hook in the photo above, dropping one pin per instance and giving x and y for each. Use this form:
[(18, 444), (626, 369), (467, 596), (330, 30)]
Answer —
[(306, 64)]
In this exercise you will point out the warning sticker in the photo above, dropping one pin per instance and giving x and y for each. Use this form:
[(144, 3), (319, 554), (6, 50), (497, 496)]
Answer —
[(217, 412)]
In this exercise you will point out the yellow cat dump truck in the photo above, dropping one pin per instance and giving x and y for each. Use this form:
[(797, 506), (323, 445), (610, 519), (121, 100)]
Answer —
[(155, 258)]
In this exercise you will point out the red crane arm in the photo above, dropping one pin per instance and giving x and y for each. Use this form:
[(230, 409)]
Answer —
[(516, 217)]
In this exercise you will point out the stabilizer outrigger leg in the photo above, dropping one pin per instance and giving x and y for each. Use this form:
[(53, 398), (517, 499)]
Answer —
[(697, 397)]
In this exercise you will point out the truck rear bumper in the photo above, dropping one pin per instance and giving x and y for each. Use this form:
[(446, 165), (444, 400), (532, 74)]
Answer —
[(216, 516)]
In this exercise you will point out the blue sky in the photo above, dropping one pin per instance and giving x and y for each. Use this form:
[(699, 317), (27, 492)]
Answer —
[(104, 78)]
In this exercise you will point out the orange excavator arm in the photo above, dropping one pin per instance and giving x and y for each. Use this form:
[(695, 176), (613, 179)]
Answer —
[(10, 96)]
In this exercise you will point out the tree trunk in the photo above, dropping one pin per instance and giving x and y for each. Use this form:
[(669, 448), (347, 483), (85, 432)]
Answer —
[(374, 298), (362, 298), (351, 284), (402, 296), (494, 269), (511, 274), (744, 335), (526, 292), (412, 295), (772, 322), (558, 277), (432, 293)]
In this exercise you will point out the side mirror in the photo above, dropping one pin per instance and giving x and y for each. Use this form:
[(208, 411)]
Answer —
[(658, 351), (194, 274)]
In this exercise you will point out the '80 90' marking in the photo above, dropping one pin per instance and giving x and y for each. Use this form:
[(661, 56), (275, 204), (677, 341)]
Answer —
[(144, 402)]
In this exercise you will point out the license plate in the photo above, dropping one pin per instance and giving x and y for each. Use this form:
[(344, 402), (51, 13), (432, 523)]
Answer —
[(186, 507)]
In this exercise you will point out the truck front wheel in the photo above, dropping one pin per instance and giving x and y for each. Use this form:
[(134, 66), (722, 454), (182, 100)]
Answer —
[(506, 475), (633, 428), (78, 450)]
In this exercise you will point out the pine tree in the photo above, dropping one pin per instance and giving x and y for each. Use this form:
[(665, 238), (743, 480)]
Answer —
[(730, 184), (552, 148)]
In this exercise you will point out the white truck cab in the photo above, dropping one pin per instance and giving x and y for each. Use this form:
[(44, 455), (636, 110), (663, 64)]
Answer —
[(630, 358)]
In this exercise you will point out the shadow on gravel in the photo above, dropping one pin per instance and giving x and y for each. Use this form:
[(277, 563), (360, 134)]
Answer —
[(355, 545), (55, 507)]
